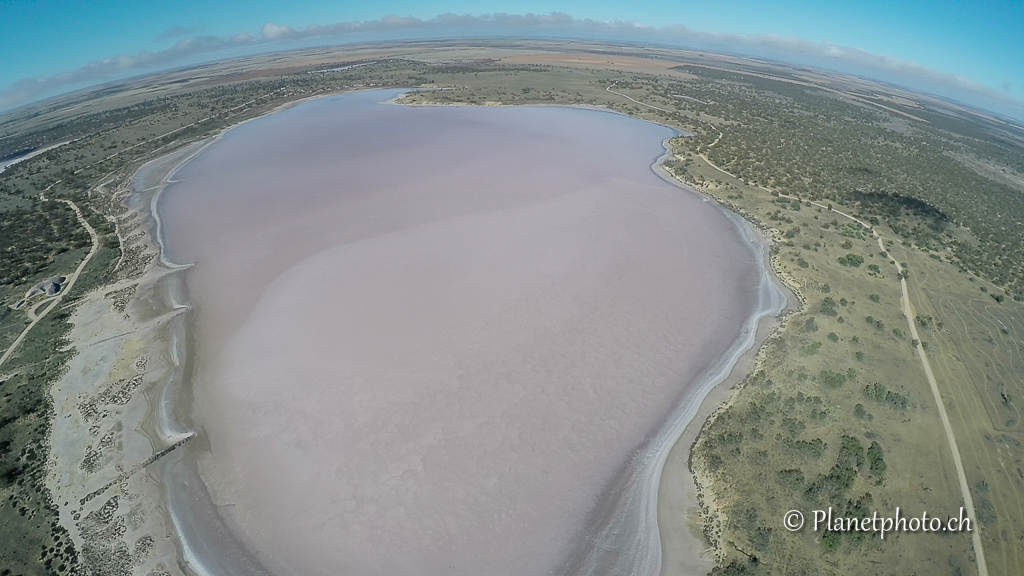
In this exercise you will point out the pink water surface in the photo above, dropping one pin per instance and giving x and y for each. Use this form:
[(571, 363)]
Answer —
[(429, 339)]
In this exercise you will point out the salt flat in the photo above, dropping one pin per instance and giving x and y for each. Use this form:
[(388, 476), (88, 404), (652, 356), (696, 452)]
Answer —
[(429, 340)]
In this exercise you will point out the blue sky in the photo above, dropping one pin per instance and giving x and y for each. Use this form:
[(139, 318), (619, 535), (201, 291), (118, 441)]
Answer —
[(981, 41)]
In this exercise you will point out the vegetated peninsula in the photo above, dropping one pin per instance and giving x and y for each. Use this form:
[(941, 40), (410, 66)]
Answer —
[(889, 212)]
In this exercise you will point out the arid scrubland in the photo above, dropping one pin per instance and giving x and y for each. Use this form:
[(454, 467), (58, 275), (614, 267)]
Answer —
[(838, 411)]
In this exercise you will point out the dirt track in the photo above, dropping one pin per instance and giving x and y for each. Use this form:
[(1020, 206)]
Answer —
[(70, 283)]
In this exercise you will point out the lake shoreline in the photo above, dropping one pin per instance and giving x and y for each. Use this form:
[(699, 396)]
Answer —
[(668, 492), (683, 499), (167, 423)]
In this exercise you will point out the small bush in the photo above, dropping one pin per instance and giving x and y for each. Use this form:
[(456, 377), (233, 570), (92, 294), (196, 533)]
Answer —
[(810, 325), (810, 349), (828, 307), (860, 412), (851, 453), (791, 478), (813, 448), (876, 459), (851, 260), (883, 395), (832, 379)]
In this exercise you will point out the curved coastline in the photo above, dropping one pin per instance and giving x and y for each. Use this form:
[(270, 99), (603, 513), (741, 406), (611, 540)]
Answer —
[(629, 535), (205, 543), (776, 301), (633, 513)]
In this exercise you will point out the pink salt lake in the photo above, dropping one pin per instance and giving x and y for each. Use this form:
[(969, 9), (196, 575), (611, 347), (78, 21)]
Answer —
[(429, 340)]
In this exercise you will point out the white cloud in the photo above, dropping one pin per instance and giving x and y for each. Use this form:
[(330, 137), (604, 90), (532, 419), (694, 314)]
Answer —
[(29, 89), (272, 31)]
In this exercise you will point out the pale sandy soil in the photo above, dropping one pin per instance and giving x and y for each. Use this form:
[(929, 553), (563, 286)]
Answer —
[(104, 435)]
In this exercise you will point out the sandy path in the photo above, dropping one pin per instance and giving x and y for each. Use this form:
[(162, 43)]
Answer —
[(53, 302), (33, 316), (636, 101), (909, 314)]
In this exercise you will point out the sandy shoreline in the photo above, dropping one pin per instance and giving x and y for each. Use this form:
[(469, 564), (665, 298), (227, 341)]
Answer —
[(127, 399), (205, 543), (681, 501), (121, 452), (110, 398), (208, 546), (662, 494)]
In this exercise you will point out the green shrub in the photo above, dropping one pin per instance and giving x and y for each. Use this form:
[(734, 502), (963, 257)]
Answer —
[(876, 459), (810, 325), (851, 453), (834, 485), (883, 395), (793, 426), (860, 412), (828, 307), (832, 379), (851, 260), (812, 448), (831, 541), (810, 349), (791, 478)]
